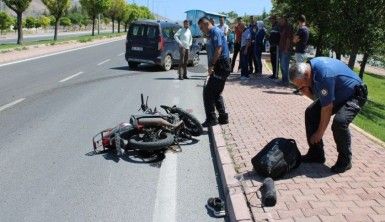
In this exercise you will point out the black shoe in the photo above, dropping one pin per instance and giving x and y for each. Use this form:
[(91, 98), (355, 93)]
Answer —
[(272, 77), (217, 206), (209, 123), (185, 77), (340, 167), (223, 119), (310, 158), (180, 78)]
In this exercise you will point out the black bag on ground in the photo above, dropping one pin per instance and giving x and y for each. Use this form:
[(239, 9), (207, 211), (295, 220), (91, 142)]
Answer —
[(277, 158)]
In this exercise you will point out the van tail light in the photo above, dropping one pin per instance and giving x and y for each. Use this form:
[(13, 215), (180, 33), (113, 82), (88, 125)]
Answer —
[(160, 43)]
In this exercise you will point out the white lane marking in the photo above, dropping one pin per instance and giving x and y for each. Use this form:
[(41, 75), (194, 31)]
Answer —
[(57, 53), (165, 202), (121, 54), (2, 108), (70, 77), (101, 63)]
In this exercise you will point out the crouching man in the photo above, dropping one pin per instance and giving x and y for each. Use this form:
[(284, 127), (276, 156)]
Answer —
[(336, 89)]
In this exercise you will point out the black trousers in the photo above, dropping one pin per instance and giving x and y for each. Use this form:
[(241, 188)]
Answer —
[(344, 115), (252, 59), (273, 58), (183, 60), (212, 97), (237, 49)]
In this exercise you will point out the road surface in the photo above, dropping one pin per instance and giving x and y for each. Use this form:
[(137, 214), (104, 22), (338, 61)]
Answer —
[(49, 110)]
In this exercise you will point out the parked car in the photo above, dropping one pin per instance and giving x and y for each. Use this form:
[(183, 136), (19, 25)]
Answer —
[(153, 42)]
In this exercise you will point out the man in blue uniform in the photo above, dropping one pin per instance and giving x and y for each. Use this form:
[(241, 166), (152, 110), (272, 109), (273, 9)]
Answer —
[(219, 68), (337, 90)]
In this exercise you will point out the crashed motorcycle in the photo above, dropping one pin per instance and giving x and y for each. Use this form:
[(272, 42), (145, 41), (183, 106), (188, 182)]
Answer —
[(151, 131)]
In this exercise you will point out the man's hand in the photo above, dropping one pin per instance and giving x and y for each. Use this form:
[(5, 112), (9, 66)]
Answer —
[(211, 70), (316, 138), (296, 39)]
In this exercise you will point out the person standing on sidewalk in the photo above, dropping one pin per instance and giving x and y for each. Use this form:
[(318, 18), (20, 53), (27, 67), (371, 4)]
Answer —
[(286, 36), (239, 28), (336, 90), (184, 38), (259, 46), (218, 71), (224, 27), (274, 37), (300, 40), (244, 54), (251, 53)]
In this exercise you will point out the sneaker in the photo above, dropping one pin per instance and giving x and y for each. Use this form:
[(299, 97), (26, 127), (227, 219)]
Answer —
[(209, 123), (217, 206), (223, 119), (310, 158), (340, 167)]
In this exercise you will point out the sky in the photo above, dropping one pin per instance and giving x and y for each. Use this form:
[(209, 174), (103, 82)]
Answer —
[(174, 9)]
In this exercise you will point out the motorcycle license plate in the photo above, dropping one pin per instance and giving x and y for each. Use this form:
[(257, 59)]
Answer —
[(137, 49)]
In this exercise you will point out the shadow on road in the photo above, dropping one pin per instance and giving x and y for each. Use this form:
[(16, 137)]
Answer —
[(140, 68)]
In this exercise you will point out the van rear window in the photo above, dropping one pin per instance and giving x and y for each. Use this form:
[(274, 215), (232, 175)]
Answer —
[(143, 31)]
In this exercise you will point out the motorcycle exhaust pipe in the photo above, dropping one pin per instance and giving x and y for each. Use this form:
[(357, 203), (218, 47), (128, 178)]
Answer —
[(157, 122)]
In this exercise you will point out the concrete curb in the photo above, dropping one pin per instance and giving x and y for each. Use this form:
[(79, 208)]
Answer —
[(236, 204)]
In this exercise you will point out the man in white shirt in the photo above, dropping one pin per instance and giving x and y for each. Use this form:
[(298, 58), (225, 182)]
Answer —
[(224, 27), (184, 38)]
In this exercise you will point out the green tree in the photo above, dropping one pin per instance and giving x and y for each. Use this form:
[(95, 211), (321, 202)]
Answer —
[(30, 22), (77, 18), (65, 21), (231, 14), (121, 15), (57, 9), (5, 22), (44, 21), (115, 10), (94, 8), (18, 6)]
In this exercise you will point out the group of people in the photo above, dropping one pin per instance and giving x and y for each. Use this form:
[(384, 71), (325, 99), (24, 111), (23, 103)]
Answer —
[(249, 44), (334, 87)]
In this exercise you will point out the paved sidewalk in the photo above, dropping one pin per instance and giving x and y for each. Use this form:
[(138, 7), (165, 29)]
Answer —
[(260, 110)]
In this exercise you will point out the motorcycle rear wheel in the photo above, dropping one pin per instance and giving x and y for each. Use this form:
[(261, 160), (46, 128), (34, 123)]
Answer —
[(136, 142)]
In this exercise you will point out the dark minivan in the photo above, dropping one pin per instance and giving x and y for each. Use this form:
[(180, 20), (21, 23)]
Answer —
[(153, 42)]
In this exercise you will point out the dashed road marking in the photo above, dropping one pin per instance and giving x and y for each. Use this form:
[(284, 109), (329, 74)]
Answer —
[(101, 63), (70, 77), (9, 105)]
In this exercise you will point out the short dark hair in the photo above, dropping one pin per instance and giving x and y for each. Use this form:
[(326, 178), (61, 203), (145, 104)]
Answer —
[(204, 18), (302, 18), (239, 18), (185, 21)]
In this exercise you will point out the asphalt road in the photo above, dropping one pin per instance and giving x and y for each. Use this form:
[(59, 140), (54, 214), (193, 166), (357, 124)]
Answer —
[(49, 110), (49, 36)]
